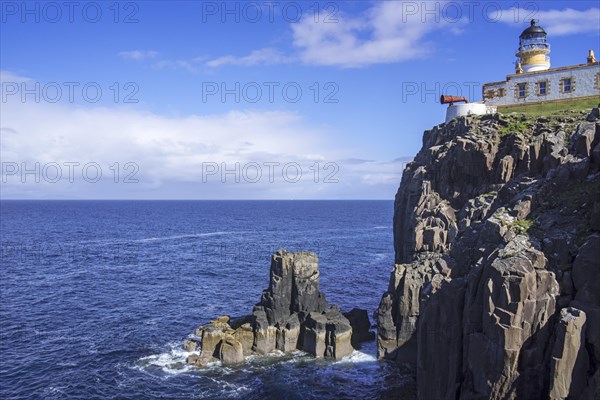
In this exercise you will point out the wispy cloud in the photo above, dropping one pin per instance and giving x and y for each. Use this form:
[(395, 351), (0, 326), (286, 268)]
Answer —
[(8, 76), (138, 55), (190, 66), (384, 34), (559, 22), (266, 56)]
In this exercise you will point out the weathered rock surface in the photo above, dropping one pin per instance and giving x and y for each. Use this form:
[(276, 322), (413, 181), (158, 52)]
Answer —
[(569, 362), (292, 315), (361, 326), (496, 289), (230, 351)]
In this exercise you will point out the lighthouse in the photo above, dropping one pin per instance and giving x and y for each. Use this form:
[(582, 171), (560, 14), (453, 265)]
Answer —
[(533, 50), (534, 82)]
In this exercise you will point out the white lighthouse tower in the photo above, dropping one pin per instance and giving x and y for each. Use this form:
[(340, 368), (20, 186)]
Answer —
[(533, 50)]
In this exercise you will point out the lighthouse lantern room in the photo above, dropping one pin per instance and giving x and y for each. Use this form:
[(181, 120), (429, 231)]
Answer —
[(533, 50)]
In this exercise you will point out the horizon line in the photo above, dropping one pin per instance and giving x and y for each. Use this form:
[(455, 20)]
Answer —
[(16, 199)]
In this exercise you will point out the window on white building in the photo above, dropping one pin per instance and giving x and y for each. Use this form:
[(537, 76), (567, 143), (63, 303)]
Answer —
[(542, 88), (567, 85), (522, 90)]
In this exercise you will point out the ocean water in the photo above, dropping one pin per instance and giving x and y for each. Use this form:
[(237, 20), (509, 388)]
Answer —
[(97, 296)]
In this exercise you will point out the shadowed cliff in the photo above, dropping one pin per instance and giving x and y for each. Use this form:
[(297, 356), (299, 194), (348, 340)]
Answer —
[(496, 288)]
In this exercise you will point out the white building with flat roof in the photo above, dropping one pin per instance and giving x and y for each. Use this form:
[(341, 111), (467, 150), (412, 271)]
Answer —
[(535, 82)]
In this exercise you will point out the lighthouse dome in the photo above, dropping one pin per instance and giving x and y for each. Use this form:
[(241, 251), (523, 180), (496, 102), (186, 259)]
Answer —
[(533, 31)]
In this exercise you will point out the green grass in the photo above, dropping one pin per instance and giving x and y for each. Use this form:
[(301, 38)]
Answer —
[(493, 193), (514, 126), (547, 109), (522, 226)]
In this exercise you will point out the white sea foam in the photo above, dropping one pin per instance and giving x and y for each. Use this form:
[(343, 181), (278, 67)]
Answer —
[(230, 389), (174, 237), (173, 361), (358, 357), (109, 242)]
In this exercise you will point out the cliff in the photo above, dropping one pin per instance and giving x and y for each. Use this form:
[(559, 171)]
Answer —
[(496, 288)]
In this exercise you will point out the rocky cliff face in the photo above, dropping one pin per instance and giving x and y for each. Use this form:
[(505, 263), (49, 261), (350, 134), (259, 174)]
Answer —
[(496, 288), (292, 315)]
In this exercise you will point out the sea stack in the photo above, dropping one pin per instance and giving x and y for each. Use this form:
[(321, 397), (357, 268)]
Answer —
[(292, 314)]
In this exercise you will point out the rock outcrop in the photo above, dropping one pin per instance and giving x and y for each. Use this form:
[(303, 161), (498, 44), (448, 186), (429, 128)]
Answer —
[(361, 326), (496, 289), (292, 314)]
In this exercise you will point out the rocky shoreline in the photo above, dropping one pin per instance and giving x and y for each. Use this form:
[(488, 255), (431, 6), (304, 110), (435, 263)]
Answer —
[(292, 315), (495, 292)]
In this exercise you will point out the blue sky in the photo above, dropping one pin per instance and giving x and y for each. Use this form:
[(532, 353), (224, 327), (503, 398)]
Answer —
[(370, 75)]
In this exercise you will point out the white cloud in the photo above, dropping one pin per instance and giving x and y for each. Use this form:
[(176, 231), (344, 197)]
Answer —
[(138, 55), (172, 152), (385, 33), (558, 22), (264, 56), (8, 76), (176, 64)]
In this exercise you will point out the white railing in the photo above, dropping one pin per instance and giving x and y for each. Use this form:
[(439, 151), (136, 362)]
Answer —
[(534, 46)]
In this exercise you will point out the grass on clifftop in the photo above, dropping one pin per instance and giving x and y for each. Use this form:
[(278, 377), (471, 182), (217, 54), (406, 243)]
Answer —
[(515, 126), (547, 109)]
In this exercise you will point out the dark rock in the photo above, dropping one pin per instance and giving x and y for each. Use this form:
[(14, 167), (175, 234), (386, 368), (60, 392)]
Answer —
[(293, 286), (277, 299), (586, 267), (488, 215), (327, 334), (584, 140), (595, 214), (594, 115), (315, 333), (288, 334), (439, 358), (361, 326), (569, 362), (339, 334), (505, 308)]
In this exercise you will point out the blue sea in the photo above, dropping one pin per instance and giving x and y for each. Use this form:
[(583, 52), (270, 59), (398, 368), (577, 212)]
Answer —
[(98, 296)]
